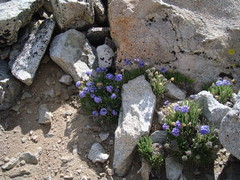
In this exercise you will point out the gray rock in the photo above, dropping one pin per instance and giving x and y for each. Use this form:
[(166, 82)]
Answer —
[(174, 92), (73, 14), (161, 117), (191, 35), (100, 11), (10, 88), (15, 14), (98, 34), (173, 169), (213, 111), (48, 5), (10, 164), (4, 53), (49, 93), (97, 153), (138, 103), (159, 136), (45, 117), (145, 170), (73, 53), (105, 56), (229, 132), (110, 43), (26, 64), (103, 136), (26, 95), (66, 79), (28, 158)]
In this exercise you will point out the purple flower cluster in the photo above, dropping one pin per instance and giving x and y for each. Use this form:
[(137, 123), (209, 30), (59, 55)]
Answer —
[(222, 82), (176, 130), (118, 77), (98, 69), (127, 62), (141, 64), (183, 109), (204, 129), (165, 126)]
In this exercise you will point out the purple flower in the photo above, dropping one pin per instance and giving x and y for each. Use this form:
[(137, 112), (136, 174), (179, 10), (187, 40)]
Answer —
[(114, 113), (113, 96), (89, 73), (175, 132), (95, 113), (226, 82), (166, 103), (89, 83), (86, 90), (136, 60), (78, 84), (219, 83), (97, 99), (163, 70), (177, 108), (109, 88), (109, 76), (178, 124), (141, 64), (98, 70), (92, 89), (165, 126), (92, 95), (82, 94), (185, 109), (118, 77), (127, 61), (193, 96), (103, 111), (204, 129)]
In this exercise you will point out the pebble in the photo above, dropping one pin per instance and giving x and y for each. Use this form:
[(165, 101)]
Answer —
[(24, 139), (30, 133), (110, 171), (22, 162), (35, 138), (103, 136), (6, 159), (84, 178)]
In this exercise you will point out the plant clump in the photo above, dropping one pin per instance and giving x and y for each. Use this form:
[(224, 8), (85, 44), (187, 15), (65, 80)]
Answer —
[(222, 90), (189, 139)]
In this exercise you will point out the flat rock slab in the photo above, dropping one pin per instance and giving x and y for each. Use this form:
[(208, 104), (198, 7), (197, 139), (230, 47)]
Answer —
[(73, 53), (97, 153), (138, 103), (26, 64), (15, 14)]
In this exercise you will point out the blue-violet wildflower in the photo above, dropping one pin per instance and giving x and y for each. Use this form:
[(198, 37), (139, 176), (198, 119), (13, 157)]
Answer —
[(110, 76), (114, 113), (178, 124), (95, 113), (165, 126), (175, 131), (113, 96), (103, 111), (204, 129), (78, 84), (82, 94), (109, 88), (97, 99), (118, 77)]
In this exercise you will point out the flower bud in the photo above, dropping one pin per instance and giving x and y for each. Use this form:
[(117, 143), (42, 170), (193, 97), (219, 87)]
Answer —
[(209, 144), (188, 153), (184, 158)]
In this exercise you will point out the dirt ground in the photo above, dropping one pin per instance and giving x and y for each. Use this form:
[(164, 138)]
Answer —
[(64, 145)]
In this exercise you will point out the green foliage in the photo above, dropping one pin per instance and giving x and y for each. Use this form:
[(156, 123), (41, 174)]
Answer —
[(157, 81), (222, 91), (146, 150), (196, 143), (179, 78)]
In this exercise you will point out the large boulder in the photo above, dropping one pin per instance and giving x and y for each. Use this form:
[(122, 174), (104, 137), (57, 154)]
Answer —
[(15, 14), (10, 88), (138, 103), (73, 14), (25, 66), (213, 111), (73, 53), (199, 38)]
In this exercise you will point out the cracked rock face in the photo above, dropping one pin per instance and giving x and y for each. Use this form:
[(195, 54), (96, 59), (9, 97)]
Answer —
[(199, 38)]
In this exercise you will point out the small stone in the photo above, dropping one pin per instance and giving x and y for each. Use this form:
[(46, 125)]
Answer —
[(84, 178), (31, 133), (24, 139), (97, 153), (10, 164), (22, 162), (45, 117), (35, 138), (26, 95), (103, 136), (66, 79), (68, 178), (6, 159), (110, 172), (75, 149)]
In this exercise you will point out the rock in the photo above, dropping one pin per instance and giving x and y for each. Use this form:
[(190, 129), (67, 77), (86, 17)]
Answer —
[(229, 132), (45, 117), (100, 12), (10, 88), (159, 136), (173, 169), (179, 33), (73, 14), (103, 136), (48, 6), (97, 35), (28, 158), (97, 153), (145, 170), (10, 164), (73, 53), (110, 43), (49, 93), (138, 103), (14, 15), (161, 117), (174, 92), (4, 54), (105, 56), (66, 79), (26, 64), (26, 95), (213, 111)]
